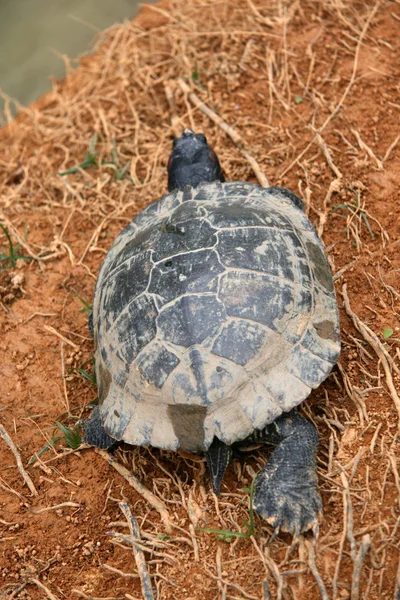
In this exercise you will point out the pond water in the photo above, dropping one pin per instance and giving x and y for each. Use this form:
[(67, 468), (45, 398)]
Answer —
[(35, 33)]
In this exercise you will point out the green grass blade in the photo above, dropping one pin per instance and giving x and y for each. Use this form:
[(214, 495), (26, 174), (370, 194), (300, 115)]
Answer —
[(120, 173), (224, 533), (45, 448), (71, 436), (87, 307), (91, 377), (90, 159)]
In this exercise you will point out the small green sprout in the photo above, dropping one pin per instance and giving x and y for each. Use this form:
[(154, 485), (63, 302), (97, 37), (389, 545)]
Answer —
[(71, 435), (299, 100), (51, 444), (119, 172), (196, 77), (13, 254), (90, 159), (387, 333), (356, 208), (91, 377), (87, 307)]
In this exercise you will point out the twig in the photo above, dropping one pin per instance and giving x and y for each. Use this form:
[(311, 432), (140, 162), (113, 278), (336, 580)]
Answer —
[(221, 586), (137, 552), (235, 586), (348, 510), (195, 544), (20, 240), (353, 395), (397, 584), (266, 591), (329, 160), (51, 329), (334, 186), (63, 377), (38, 314), (128, 539), (21, 469), (7, 488), (367, 149), (343, 270), (393, 464), (95, 235), (118, 571), (374, 438), (272, 566), (391, 147), (377, 346), (174, 114), (83, 595), (44, 588), (314, 570), (355, 66), (169, 16), (38, 511), (139, 487), (259, 16), (345, 93), (358, 563), (62, 454), (232, 133)]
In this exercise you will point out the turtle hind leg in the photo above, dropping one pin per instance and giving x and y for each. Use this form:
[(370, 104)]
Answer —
[(94, 433), (286, 490), (218, 457)]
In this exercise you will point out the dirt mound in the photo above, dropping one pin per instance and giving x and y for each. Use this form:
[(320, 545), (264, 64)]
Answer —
[(313, 90)]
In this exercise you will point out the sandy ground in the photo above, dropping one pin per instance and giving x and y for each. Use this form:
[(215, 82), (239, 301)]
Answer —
[(313, 90)]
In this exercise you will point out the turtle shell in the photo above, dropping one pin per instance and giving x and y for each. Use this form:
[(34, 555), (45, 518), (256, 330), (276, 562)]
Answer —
[(214, 312)]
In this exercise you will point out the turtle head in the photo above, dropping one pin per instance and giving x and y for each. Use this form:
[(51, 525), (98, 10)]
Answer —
[(192, 161)]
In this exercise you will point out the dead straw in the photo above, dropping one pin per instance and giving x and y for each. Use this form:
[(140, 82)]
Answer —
[(397, 583), (232, 133), (20, 466), (377, 346), (46, 590), (139, 487), (346, 92), (137, 552), (358, 564), (314, 570)]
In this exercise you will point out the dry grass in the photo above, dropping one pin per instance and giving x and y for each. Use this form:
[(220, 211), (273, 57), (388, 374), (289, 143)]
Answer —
[(291, 80)]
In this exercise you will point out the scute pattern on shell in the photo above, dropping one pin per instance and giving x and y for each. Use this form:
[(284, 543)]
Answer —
[(214, 312)]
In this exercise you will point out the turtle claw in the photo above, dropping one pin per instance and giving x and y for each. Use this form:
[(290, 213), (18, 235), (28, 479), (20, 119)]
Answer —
[(290, 506)]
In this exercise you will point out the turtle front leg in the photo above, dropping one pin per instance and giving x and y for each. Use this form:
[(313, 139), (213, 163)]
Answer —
[(94, 433), (286, 490)]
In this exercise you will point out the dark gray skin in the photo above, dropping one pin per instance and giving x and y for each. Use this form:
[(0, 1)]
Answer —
[(192, 161), (286, 489)]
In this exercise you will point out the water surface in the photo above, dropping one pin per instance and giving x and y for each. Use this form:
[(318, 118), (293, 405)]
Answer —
[(32, 32)]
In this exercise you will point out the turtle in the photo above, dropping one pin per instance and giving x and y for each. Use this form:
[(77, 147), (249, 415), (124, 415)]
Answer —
[(214, 317)]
